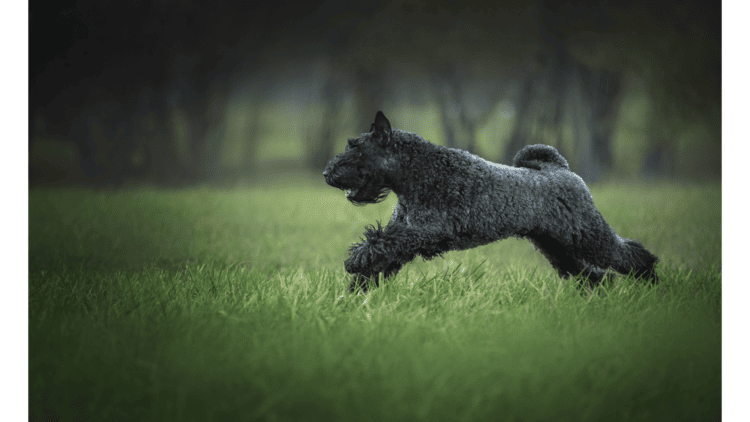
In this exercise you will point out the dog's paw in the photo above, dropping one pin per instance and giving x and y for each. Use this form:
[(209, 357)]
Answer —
[(359, 259), (359, 284), (367, 258)]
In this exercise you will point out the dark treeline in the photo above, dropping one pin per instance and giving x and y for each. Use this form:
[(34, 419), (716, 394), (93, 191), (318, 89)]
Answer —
[(150, 91)]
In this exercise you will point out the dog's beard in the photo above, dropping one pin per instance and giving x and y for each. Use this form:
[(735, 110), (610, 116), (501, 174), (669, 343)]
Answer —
[(359, 190), (368, 194)]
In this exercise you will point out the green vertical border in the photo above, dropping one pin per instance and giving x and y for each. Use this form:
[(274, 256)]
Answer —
[(13, 44), (735, 198)]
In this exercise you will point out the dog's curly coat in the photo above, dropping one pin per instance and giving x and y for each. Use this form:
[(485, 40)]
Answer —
[(449, 199)]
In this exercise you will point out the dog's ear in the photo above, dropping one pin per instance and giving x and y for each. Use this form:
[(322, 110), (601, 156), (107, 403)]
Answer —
[(382, 126)]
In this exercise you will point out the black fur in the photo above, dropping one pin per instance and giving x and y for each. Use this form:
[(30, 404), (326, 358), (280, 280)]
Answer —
[(449, 199)]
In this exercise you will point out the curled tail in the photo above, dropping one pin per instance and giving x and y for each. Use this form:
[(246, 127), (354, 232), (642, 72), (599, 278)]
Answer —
[(539, 157), (636, 259)]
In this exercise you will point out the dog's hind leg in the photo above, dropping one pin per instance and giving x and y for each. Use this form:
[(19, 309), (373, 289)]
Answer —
[(632, 258), (565, 264)]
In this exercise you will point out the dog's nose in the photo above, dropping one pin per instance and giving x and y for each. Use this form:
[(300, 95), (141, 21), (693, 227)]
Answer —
[(325, 172)]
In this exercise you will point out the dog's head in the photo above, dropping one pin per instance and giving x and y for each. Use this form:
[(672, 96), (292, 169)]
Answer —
[(362, 167)]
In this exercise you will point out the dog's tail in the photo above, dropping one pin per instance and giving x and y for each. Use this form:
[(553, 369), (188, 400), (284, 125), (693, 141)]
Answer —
[(636, 259), (538, 157)]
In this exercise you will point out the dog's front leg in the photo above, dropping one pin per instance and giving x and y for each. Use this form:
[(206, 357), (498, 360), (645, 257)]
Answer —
[(365, 263), (386, 250), (380, 252)]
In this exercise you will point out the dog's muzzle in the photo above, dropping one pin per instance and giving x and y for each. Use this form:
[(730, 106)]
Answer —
[(329, 175), (329, 179)]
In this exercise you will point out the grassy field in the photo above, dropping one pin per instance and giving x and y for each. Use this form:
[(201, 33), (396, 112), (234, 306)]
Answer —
[(230, 305)]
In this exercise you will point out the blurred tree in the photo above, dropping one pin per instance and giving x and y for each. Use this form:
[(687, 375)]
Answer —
[(679, 53), (143, 87), (563, 101), (320, 146), (172, 58)]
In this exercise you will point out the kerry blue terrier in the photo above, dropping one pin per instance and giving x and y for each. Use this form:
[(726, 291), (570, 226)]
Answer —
[(449, 199)]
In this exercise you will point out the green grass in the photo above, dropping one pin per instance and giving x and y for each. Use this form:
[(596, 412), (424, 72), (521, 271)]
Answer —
[(231, 305)]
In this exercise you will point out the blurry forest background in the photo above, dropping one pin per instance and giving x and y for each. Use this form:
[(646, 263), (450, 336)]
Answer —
[(181, 92)]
